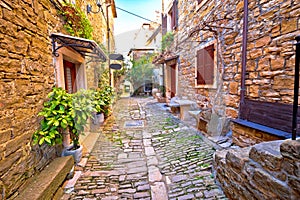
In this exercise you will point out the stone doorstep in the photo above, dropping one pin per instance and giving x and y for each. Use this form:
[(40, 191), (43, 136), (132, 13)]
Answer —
[(47, 183)]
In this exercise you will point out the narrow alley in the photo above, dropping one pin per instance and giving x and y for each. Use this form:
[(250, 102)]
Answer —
[(144, 152)]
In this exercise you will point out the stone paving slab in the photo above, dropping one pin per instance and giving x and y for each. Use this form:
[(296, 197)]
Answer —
[(165, 159)]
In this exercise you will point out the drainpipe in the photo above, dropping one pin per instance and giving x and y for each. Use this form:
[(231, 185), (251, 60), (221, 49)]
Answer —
[(296, 89), (244, 55), (108, 44)]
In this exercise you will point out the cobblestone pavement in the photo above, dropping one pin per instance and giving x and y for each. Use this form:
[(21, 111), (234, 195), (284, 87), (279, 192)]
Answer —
[(144, 152)]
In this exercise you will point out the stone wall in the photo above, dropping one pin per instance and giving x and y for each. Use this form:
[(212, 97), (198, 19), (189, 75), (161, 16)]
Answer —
[(26, 77), (273, 26), (269, 170), (244, 136)]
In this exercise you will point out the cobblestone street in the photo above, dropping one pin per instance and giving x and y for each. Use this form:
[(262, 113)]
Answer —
[(143, 152)]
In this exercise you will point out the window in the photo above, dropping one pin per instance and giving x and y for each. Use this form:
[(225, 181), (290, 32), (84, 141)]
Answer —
[(173, 14), (70, 76), (205, 66)]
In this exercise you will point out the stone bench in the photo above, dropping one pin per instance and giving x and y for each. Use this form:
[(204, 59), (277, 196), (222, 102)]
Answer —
[(47, 184), (185, 107), (174, 107), (201, 123)]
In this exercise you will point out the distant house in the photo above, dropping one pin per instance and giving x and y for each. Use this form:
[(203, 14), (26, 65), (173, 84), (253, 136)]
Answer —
[(146, 42), (244, 78)]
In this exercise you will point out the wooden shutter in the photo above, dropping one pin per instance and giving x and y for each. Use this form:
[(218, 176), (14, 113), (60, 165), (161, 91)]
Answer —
[(173, 80), (70, 76), (174, 15), (205, 66), (200, 67), (164, 23)]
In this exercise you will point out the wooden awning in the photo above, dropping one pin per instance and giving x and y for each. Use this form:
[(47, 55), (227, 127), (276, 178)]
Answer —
[(83, 46)]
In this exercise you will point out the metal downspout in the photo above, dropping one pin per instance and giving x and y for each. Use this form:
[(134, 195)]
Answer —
[(244, 55)]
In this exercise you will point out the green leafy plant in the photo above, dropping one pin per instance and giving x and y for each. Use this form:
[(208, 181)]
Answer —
[(76, 22), (106, 95), (167, 40), (98, 102), (64, 112), (82, 109), (58, 115)]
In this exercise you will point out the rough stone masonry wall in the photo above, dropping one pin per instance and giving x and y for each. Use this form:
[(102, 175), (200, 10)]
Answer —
[(26, 77), (269, 170), (273, 26), (99, 35)]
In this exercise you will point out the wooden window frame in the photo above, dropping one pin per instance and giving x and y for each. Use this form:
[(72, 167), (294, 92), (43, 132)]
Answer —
[(211, 83), (173, 13)]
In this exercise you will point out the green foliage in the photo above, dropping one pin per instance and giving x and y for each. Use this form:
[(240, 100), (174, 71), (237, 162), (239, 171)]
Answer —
[(57, 113), (63, 112), (103, 77), (142, 69), (167, 40), (82, 109), (105, 96), (76, 22)]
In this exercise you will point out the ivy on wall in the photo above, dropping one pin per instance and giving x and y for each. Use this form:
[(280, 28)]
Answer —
[(76, 22)]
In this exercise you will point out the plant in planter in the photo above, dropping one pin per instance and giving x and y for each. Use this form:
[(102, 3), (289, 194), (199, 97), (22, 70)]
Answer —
[(65, 114), (98, 105), (82, 108), (106, 94), (57, 113)]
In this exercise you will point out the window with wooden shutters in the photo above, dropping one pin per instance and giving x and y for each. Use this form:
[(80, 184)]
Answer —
[(205, 66), (174, 15)]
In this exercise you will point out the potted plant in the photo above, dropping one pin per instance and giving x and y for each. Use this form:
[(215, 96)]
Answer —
[(106, 94), (82, 109), (65, 115), (57, 116), (98, 105)]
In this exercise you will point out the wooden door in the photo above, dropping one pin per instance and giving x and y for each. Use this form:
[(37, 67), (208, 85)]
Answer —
[(70, 76), (173, 80)]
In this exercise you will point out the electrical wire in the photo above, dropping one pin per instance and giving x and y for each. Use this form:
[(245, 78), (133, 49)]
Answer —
[(136, 15)]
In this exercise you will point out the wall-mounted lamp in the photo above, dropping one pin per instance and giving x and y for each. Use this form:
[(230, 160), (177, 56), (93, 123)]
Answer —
[(89, 8)]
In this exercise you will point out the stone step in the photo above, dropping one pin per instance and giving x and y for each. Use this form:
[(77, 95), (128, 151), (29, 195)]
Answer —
[(46, 184)]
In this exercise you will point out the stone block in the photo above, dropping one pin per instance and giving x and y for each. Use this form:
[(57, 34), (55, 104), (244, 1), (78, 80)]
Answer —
[(294, 184), (283, 82), (267, 155), (277, 63), (269, 185), (49, 180), (159, 191), (291, 149), (5, 135), (264, 41), (7, 163), (237, 158), (288, 25)]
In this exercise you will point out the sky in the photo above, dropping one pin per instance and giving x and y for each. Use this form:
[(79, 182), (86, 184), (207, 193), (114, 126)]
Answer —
[(145, 8)]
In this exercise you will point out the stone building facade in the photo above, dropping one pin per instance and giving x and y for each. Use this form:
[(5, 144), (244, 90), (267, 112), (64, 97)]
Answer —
[(27, 74), (211, 31)]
